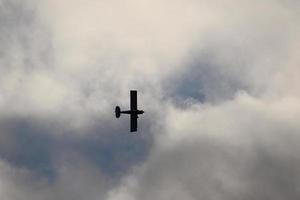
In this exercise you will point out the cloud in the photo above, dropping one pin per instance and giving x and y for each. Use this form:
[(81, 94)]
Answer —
[(76, 180), (246, 148), (218, 81)]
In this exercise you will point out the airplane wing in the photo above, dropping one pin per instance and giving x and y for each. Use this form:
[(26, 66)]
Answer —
[(133, 122), (133, 100)]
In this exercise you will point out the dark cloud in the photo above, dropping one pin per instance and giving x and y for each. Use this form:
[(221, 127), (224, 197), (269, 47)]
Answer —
[(204, 81), (32, 146), (38, 147)]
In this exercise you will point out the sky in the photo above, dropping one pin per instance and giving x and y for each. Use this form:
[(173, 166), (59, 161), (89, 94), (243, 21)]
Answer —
[(219, 82)]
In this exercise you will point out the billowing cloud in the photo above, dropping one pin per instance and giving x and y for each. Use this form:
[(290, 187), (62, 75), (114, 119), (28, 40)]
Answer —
[(219, 82), (245, 148)]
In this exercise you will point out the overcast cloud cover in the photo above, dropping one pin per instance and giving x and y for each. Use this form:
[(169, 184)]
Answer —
[(219, 81)]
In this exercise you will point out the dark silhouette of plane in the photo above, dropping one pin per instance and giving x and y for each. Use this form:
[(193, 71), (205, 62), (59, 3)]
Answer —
[(133, 112)]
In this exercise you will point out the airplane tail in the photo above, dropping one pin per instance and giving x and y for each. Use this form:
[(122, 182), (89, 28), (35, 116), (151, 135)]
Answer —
[(117, 111)]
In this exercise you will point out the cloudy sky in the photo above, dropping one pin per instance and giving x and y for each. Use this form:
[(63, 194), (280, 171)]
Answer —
[(219, 81)]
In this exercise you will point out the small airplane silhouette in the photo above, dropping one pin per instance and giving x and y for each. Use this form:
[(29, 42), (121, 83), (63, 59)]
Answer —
[(133, 112)]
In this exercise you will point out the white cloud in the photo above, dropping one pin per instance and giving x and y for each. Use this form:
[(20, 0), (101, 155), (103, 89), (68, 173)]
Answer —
[(244, 148)]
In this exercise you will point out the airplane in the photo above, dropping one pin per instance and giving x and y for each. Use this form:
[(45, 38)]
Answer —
[(133, 112)]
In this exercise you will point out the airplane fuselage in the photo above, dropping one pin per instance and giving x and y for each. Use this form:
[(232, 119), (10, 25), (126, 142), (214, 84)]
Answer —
[(132, 112)]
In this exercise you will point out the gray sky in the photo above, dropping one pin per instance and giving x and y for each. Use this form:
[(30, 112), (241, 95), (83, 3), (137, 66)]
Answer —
[(219, 81)]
